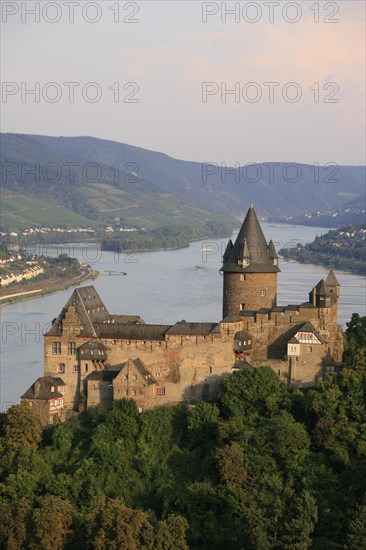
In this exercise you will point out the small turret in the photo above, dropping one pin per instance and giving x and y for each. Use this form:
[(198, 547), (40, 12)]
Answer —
[(332, 284), (320, 295), (227, 250), (272, 253)]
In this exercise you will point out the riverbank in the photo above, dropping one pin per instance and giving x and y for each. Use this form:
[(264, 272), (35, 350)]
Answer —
[(50, 286)]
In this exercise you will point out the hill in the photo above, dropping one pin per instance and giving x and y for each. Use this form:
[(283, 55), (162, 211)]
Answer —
[(100, 179), (351, 212), (341, 249)]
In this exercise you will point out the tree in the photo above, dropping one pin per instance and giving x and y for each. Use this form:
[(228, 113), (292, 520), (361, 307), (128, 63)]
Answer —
[(253, 393), (230, 459), (51, 523), (111, 526), (23, 425), (356, 539), (171, 533), (15, 523)]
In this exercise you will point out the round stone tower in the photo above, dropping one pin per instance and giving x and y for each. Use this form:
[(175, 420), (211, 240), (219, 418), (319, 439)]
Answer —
[(250, 268)]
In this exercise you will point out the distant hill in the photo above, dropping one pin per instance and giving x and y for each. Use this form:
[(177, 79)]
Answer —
[(343, 248), (353, 211), (152, 189)]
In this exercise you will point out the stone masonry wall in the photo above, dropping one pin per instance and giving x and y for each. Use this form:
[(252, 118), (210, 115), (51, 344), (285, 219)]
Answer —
[(248, 292)]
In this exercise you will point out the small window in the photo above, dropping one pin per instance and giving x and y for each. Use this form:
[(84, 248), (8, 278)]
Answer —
[(242, 277), (61, 368), (242, 306), (262, 292), (134, 377), (160, 391), (125, 377), (310, 349), (210, 370), (86, 367), (52, 389), (133, 392), (76, 368), (126, 392), (56, 348), (71, 348)]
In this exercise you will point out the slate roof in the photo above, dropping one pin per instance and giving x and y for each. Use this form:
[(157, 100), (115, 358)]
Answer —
[(331, 279), (44, 383), (242, 335), (193, 329), (232, 319), (140, 367), (308, 327), (131, 331), (251, 244), (321, 289), (92, 346), (124, 319), (89, 308), (105, 375)]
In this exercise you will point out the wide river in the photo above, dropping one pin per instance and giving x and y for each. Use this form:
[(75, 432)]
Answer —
[(162, 287)]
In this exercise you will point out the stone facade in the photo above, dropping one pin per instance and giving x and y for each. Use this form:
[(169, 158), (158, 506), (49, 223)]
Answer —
[(102, 358)]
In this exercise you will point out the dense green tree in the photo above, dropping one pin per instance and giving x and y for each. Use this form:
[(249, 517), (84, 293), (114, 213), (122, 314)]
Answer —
[(22, 425), (52, 521), (111, 526), (171, 533), (253, 393), (15, 524)]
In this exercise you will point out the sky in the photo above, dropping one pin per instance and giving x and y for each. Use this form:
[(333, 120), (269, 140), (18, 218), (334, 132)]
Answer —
[(268, 82)]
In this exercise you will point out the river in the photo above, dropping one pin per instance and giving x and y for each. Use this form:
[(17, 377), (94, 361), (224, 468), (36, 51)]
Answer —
[(162, 287)]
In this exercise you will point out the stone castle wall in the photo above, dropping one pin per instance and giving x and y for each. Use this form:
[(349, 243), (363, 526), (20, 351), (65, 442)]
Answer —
[(190, 368)]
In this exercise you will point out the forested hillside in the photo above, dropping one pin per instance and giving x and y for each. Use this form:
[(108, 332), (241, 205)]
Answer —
[(267, 466)]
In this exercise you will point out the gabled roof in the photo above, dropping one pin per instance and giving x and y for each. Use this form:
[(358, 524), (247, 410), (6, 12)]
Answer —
[(309, 327), (89, 309), (251, 244), (142, 370), (41, 389), (197, 329)]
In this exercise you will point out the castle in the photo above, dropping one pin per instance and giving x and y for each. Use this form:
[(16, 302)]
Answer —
[(92, 357)]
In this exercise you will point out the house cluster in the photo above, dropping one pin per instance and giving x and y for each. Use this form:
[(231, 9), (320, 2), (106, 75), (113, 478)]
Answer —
[(92, 357), (8, 275)]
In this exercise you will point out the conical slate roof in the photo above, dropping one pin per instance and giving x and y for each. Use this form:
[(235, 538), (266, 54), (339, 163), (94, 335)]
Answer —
[(250, 253), (321, 289), (331, 279)]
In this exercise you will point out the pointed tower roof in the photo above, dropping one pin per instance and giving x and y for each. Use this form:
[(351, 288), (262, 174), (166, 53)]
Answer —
[(321, 289), (272, 251), (331, 279), (228, 250), (250, 246)]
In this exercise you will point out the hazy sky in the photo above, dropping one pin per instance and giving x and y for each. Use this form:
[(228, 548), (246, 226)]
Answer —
[(168, 54)]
